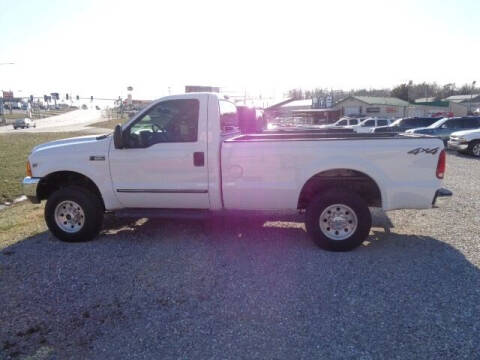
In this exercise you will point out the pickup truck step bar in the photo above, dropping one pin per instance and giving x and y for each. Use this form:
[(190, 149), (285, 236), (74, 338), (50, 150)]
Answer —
[(164, 213), (203, 214)]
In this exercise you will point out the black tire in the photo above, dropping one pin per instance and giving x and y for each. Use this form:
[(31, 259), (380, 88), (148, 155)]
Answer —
[(338, 196), (89, 203), (14, 128), (471, 145)]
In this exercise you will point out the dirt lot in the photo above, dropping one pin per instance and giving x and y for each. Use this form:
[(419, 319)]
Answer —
[(250, 289)]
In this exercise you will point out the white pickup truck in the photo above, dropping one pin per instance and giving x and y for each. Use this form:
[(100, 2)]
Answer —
[(184, 155), (466, 141)]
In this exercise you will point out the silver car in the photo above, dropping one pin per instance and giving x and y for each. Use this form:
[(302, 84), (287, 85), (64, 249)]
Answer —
[(24, 123)]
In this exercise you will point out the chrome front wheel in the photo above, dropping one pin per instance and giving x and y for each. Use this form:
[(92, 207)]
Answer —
[(69, 216), (74, 214)]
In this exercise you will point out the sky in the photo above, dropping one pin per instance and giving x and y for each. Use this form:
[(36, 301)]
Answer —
[(99, 48)]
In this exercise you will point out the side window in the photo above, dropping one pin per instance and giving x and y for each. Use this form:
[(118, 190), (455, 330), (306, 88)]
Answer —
[(471, 123), (354, 122), (342, 123), (228, 117), (423, 122), (382, 123), (170, 121), (369, 123), (411, 122), (451, 124), (464, 124)]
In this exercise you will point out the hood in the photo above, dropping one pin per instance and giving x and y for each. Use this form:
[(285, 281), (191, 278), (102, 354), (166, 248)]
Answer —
[(67, 142), (466, 132), (426, 130)]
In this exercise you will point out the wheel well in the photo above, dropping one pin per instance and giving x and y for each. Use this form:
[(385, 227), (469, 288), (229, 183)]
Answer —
[(352, 180), (54, 181)]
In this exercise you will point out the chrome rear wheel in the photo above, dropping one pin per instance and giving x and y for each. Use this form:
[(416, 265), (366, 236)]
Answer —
[(338, 222), (476, 149), (338, 219)]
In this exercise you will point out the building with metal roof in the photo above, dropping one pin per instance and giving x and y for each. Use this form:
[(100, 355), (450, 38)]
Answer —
[(388, 107), (474, 98), (425, 100), (470, 102)]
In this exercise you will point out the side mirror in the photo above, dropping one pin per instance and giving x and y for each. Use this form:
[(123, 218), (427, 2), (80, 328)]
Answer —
[(118, 137)]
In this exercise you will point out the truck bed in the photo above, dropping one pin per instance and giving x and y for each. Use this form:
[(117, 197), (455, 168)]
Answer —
[(268, 171)]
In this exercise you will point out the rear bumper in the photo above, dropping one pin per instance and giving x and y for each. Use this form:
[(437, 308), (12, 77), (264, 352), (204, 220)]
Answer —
[(29, 186), (442, 196), (458, 146)]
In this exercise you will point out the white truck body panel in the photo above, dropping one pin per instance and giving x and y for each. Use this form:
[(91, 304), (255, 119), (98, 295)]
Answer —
[(73, 155), (244, 175), (163, 175), (270, 175)]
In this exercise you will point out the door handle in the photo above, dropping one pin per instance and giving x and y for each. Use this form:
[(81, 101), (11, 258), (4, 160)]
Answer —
[(198, 159)]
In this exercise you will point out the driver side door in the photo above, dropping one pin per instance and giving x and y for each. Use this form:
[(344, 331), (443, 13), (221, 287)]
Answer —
[(164, 163)]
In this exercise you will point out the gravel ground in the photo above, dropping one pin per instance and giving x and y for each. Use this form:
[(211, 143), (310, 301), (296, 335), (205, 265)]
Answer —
[(253, 290)]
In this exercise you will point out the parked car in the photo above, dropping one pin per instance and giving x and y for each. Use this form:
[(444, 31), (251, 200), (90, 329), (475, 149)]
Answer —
[(467, 141), (24, 123), (177, 157), (345, 121), (368, 124), (404, 124), (443, 128)]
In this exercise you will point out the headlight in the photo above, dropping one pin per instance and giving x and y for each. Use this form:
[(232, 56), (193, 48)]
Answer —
[(461, 139)]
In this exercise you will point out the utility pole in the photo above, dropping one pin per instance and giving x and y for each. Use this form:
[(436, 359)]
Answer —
[(471, 95)]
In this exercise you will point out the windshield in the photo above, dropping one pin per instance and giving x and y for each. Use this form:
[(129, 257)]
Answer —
[(438, 123)]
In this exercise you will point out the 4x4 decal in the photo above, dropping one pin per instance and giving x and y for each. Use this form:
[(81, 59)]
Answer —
[(424, 150)]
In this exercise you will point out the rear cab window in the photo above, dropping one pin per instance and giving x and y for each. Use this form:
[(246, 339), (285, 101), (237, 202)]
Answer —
[(228, 117)]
